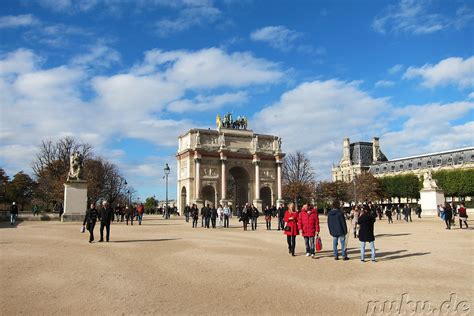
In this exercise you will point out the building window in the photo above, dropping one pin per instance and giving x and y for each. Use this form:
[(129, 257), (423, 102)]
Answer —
[(450, 161), (472, 157), (439, 161), (410, 165), (428, 163), (401, 166), (460, 159), (419, 164), (376, 170), (384, 168), (392, 168)]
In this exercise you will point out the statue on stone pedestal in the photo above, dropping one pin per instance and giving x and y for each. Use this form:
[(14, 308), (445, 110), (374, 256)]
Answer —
[(429, 182), (221, 140), (76, 162)]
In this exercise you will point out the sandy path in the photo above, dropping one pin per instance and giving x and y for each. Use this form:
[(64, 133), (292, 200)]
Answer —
[(166, 267)]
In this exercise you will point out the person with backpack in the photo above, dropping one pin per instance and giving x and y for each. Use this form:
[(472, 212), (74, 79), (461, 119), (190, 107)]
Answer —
[(308, 223)]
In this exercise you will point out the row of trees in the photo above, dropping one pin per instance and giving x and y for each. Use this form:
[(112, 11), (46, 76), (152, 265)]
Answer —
[(300, 185), (50, 168)]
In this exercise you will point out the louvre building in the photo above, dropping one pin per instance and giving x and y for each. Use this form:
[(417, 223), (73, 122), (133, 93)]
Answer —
[(365, 156)]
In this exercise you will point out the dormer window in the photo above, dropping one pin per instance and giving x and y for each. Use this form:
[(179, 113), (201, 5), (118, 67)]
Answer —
[(439, 161), (419, 164), (428, 163), (410, 165), (393, 168)]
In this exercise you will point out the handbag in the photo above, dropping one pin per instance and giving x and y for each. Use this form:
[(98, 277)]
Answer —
[(319, 244), (83, 229), (287, 228)]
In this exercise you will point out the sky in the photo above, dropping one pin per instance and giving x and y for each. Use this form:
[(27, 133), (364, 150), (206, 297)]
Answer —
[(130, 76)]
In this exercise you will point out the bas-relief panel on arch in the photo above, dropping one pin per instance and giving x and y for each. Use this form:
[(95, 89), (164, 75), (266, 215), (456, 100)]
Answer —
[(267, 173)]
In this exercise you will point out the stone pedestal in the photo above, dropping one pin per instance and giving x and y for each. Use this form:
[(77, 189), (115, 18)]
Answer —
[(75, 201), (429, 201)]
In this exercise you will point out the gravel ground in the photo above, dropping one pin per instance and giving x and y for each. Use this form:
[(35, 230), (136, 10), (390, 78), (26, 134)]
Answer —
[(167, 267)]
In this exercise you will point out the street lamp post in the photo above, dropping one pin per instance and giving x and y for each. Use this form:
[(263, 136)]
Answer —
[(167, 172)]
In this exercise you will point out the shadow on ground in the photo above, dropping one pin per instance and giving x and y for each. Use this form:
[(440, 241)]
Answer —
[(145, 240)]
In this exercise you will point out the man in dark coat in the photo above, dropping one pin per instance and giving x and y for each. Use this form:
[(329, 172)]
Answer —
[(106, 215), (338, 230), (13, 213), (90, 220), (254, 216), (206, 215), (281, 216), (213, 212), (187, 212), (366, 233)]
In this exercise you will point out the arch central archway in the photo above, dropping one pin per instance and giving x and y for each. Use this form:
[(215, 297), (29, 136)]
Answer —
[(209, 195), (238, 188), (266, 197)]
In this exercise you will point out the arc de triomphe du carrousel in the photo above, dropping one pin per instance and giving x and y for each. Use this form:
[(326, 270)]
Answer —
[(231, 165)]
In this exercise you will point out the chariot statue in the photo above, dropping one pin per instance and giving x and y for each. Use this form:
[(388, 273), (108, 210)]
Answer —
[(228, 122)]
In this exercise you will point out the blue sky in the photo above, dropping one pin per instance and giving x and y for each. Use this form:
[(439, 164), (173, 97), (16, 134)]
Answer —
[(129, 76)]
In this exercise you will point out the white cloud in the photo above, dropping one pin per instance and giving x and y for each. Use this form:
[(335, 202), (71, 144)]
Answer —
[(191, 14), (416, 17), (454, 70), (203, 103), (395, 69), (429, 128), (13, 21), (384, 84), (308, 118), (279, 37), (99, 55), (17, 62), (471, 96), (210, 68)]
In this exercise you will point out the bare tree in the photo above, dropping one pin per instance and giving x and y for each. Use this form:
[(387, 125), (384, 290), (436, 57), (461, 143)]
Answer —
[(298, 178)]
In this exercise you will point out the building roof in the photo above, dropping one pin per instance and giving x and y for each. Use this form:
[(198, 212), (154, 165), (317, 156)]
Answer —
[(362, 153)]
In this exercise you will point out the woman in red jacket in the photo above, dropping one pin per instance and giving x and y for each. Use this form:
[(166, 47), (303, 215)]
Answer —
[(309, 226), (291, 228)]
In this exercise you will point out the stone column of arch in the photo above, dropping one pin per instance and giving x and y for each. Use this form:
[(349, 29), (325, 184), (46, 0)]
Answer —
[(223, 179), (257, 201), (197, 178), (279, 163)]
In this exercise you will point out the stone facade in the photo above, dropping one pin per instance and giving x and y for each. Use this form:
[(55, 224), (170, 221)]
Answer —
[(366, 156), (228, 166), (356, 158)]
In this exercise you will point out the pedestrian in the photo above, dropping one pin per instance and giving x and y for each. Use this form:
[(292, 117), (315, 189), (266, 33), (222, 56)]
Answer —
[(203, 216), (13, 213), (117, 212), (354, 218), (308, 223), (245, 215), (462, 216), (129, 215), (366, 233), (140, 211), (398, 210), (448, 214), (281, 214), (268, 217), (89, 221), (227, 213), (187, 212), (291, 228), (195, 215), (220, 215), (206, 212), (35, 210), (388, 213), (254, 216), (338, 230), (106, 215), (213, 216), (407, 212)]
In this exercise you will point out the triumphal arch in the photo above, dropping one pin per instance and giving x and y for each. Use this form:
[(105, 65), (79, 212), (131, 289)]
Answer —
[(230, 165)]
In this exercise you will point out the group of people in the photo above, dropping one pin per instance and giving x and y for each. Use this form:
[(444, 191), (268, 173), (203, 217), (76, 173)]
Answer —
[(448, 214), (210, 216), (106, 215), (307, 221)]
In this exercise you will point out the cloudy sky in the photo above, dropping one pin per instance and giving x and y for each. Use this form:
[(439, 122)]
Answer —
[(129, 76)]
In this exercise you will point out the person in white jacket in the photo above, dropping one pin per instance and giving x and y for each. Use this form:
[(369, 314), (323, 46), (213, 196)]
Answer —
[(220, 215)]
